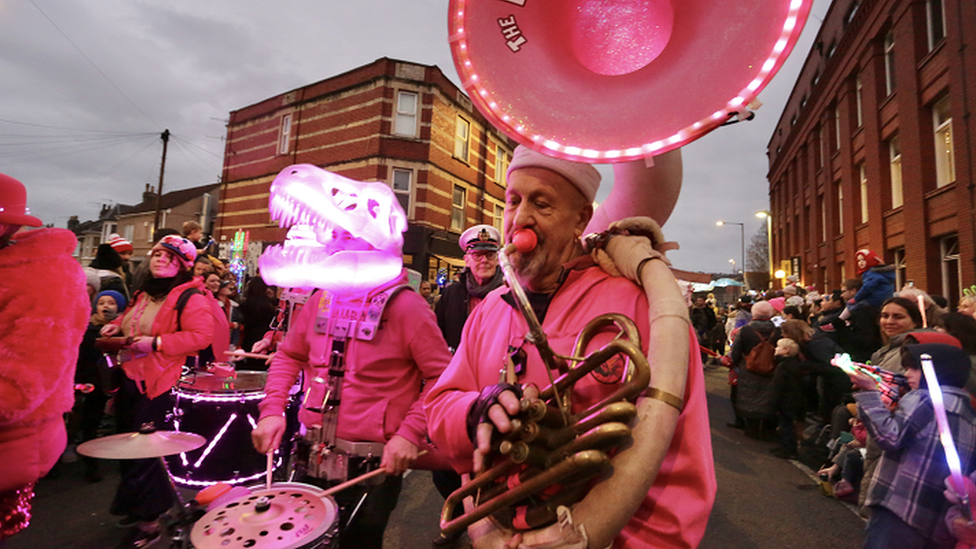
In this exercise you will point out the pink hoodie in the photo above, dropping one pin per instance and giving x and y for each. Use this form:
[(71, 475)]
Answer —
[(676, 509), (381, 391)]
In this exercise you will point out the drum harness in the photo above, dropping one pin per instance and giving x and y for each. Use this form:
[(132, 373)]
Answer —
[(330, 457)]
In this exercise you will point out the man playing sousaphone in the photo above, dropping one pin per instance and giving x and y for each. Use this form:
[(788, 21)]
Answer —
[(662, 486)]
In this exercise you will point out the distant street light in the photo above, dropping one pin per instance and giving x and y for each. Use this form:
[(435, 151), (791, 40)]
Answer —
[(732, 261), (742, 228), (769, 240)]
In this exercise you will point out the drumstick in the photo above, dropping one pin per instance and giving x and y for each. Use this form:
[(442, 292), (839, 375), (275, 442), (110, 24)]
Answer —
[(357, 480), (267, 474), (246, 355)]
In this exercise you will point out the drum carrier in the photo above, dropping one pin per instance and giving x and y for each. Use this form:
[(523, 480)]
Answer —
[(321, 454)]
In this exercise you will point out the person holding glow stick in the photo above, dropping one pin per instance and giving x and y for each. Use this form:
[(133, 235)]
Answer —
[(905, 496)]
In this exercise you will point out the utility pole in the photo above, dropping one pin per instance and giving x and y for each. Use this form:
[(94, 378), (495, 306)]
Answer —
[(159, 191)]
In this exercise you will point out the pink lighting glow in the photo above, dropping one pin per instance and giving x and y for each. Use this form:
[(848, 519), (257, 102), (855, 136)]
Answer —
[(216, 439), (345, 237), (945, 435)]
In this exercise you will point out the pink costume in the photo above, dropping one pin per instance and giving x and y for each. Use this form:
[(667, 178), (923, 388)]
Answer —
[(381, 391), (43, 313), (157, 372), (675, 511)]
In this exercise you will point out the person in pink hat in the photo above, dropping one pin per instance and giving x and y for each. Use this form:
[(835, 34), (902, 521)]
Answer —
[(43, 313), (169, 319)]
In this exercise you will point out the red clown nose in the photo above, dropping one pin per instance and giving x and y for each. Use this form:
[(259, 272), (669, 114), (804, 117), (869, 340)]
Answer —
[(524, 240)]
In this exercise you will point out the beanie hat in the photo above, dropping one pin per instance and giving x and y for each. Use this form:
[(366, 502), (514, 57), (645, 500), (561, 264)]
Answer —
[(120, 301), (762, 310), (106, 258), (776, 303), (120, 244), (951, 364), (181, 248), (870, 258), (583, 176)]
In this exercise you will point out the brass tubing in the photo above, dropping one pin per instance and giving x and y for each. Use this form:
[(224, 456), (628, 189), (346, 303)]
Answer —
[(599, 438), (591, 461)]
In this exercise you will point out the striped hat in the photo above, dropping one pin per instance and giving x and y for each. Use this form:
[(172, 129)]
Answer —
[(120, 244)]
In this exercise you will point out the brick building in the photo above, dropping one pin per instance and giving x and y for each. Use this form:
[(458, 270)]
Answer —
[(394, 121), (875, 147)]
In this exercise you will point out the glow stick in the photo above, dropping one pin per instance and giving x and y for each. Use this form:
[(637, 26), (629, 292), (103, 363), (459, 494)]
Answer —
[(945, 436), (921, 309), (845, 363)]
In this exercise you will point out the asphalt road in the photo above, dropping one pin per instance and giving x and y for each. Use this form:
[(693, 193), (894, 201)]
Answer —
[(762, 501)]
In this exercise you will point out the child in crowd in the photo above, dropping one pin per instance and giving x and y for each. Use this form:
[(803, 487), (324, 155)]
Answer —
[(789, 401), (905, 497), (877, 282)]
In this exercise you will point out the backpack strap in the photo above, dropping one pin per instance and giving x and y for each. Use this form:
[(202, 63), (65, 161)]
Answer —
[(181, 304)]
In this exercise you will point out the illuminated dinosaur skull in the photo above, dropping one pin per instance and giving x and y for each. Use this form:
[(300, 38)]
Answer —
[(346, 236)]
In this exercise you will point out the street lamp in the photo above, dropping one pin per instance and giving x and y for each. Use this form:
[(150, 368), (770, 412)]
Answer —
[(732, 261), (769, 241), (742, 228)]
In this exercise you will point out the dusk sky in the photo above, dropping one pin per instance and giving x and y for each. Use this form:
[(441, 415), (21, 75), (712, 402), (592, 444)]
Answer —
[(89, 85)]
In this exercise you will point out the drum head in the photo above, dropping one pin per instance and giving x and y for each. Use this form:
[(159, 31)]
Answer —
[(244, 382), (288, 516)]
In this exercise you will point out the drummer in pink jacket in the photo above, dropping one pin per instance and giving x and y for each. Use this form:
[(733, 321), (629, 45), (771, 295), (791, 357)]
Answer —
[(367, 345)]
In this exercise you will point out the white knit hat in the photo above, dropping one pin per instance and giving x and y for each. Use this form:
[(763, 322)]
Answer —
[(583, 176)]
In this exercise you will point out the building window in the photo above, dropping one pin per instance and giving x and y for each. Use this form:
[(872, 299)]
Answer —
[(894, 155), (951, 268), (284, 140), (863, 173), (840, 208), (889, 55), (406, 114), (500, 218), (851, 11), (461, 135), (859, 89), (401, 187), (501, 165), (831, 49), (129, 230), (935, 15), (837, 128), (945, 163), (457, 208), (900, 267), (816, 77), (822, 204)]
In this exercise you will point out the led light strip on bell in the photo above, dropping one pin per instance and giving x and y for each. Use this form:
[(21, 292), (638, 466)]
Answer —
[(479, 91)]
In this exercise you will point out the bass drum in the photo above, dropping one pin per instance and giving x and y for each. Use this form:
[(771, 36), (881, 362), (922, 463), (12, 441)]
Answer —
[(289, 515), (224, 410)]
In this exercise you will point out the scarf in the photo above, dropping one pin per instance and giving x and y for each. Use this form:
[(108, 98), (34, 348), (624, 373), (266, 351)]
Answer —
[(480, 291)]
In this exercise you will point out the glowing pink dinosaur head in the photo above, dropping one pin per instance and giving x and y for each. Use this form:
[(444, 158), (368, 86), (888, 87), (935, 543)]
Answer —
[(346, 236)]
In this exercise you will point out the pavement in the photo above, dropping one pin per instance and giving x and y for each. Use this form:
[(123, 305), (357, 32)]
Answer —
[(762, 501)]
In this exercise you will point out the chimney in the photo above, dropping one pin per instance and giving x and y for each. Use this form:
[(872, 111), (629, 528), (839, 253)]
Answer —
[(149, 195), (73, 223)]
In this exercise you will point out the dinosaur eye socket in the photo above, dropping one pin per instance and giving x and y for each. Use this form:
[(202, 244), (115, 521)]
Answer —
[(372, 206)]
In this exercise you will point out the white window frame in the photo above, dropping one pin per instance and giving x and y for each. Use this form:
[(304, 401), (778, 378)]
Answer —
[(405, 118), (863, 176), (859, 91), (840, 208), (889, 63), (500, 219), (945, 158), (403, 194), (462, 139), (501, 165), (949, 251), (823, 217), (284, 134), (128, 232), (900, 267), (823, 144), (894, 163), (459, 202), (935, 22)]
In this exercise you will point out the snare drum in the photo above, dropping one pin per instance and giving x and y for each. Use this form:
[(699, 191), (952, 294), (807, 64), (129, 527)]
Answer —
[(289, 515), (224, 410)]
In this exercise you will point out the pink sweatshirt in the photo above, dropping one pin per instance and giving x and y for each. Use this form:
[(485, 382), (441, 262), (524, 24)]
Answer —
[(381, 391), (676, 509)]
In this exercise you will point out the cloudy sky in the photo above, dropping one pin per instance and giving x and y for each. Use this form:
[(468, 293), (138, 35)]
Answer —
[(87, 87)]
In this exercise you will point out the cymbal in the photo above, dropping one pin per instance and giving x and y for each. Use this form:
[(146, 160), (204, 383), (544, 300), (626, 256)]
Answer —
[(140, 446)]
